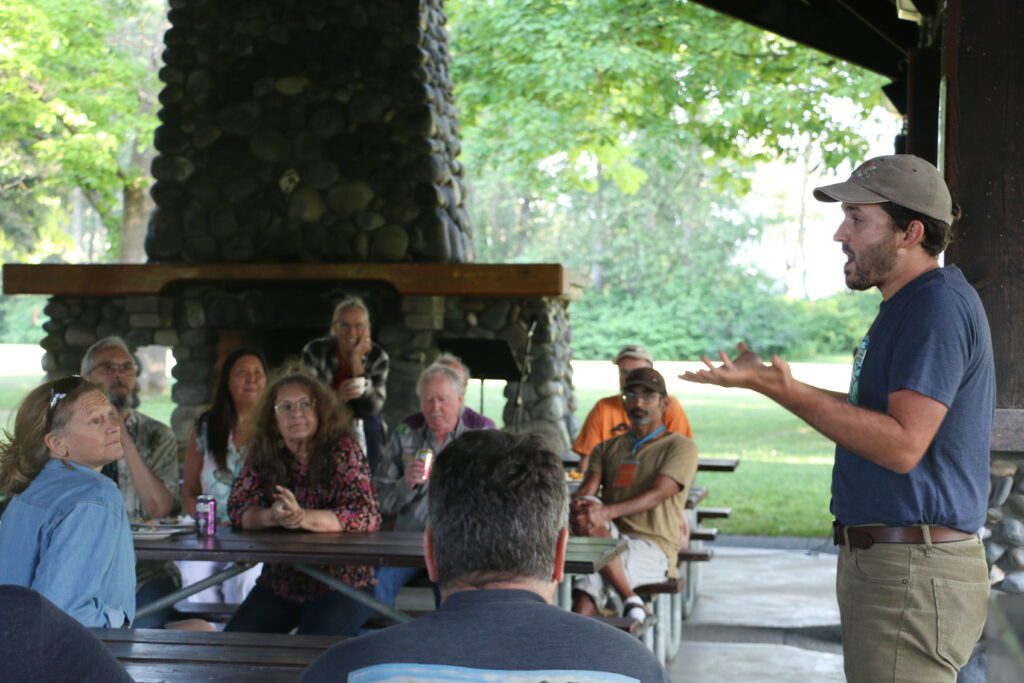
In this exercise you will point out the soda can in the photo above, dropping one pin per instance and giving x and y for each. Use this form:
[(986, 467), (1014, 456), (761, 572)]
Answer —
[(425, 456), (206, 515)]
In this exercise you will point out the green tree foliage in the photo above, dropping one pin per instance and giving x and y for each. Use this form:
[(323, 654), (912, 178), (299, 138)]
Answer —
[(77, 84), (616, 137)]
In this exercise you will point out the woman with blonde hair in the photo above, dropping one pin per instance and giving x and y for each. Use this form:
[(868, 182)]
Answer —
[(303, 471), (65, 533)]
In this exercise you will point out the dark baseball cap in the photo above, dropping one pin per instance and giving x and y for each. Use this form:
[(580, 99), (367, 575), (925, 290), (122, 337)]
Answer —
[(646, 377), (903, 179)]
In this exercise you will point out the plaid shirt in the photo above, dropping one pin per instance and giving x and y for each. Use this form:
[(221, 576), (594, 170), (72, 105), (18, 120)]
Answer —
[(320, 356)]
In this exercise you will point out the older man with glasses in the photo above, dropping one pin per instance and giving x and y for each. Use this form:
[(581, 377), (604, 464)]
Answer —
[(148, 473), (643, 475)]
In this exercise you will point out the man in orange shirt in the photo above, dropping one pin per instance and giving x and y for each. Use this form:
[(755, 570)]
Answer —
[(608, 419)]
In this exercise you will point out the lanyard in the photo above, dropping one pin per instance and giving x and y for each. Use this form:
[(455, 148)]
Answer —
[(637, 443)]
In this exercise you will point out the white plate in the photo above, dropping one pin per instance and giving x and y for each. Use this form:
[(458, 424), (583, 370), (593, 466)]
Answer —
[(151, 534)]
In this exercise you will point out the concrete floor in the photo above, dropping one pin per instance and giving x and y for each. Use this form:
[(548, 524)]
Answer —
[(763, 615)]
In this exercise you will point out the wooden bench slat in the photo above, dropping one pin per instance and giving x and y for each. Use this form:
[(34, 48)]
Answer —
[(704, 534), (236, 654), (213, 639), (191, 672), (712, 513), (695, 496), (717, 464), (676, 585), (696, 555)]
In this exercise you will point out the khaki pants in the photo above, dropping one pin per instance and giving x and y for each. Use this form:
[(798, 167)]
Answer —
[(911, 612)]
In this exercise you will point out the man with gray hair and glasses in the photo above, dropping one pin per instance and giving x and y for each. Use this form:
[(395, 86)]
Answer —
[(148, 474), (495, 541), (401, 479)]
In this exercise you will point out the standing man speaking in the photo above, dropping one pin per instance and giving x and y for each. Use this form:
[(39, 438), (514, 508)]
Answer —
[(910, 480)]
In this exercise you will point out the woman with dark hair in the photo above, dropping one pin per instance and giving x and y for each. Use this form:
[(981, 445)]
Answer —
[(65, 533), (215, 456), (303, 471)]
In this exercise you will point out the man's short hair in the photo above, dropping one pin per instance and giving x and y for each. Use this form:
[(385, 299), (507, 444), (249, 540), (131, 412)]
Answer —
[(436, 370), (106, 343), (496, 505), (937, 234), (450, 359)]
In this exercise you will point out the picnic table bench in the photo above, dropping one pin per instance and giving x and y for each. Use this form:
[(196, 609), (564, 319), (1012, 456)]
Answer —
[(162, 655)]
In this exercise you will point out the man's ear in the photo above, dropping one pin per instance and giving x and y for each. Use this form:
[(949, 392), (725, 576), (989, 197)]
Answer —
[(428, 553), (913, 235), (560, 546), (663, 402)]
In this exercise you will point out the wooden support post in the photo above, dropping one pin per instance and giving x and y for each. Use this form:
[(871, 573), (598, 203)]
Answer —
[(984, 166)]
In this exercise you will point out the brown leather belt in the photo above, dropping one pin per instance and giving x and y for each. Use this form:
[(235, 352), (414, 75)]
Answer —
[(866, 536)]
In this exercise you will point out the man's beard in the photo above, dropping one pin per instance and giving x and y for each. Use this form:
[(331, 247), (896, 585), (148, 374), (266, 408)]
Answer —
[(120, 397), (639, 418), (871, 264)]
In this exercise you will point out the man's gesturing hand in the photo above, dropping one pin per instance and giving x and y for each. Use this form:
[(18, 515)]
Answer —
[(746, 371)]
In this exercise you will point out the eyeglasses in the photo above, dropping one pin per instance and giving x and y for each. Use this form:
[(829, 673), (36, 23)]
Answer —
[(108, 368), (644, 396), (357, 327), (60, 390), (288, 407)]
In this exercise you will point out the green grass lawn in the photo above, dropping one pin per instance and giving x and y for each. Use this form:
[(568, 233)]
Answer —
[(780, 488)]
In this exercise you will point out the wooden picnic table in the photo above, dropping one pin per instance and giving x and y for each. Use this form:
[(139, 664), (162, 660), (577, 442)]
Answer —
[(162, 655), (390, 548), (308, 552)]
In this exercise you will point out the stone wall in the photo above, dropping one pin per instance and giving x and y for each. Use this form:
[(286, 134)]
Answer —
[(315, 131), (202, 323), (1004, 525)]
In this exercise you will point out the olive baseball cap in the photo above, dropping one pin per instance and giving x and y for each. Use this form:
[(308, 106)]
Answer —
[(633, 351), (902, 179), (646, 377)]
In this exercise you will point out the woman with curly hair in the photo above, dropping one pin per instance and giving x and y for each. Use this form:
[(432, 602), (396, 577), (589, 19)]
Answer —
[(303, 471), (65, 533)]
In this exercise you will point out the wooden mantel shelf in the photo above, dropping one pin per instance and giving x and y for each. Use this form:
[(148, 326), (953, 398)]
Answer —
[(408, 279)]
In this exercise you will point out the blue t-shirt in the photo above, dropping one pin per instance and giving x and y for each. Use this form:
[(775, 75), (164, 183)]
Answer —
[(511, 636), (931, 337)]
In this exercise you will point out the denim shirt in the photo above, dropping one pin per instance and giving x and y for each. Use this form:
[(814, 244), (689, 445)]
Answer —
[(67, 536)]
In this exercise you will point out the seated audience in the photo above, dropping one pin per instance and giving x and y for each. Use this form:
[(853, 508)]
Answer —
[(495, 541), (65, 534), (148, 474), (643, 475), (470, 418), (38, 642), (354, 367), (401, 480), (214, 458), (303, 470), (608, 418)]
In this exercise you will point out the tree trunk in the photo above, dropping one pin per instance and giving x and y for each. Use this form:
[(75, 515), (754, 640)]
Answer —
[(136, 210)]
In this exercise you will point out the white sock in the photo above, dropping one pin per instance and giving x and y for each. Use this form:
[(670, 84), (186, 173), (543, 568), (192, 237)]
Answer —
[(634, 607)]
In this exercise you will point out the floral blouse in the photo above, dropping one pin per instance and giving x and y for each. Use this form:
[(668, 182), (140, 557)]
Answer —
[(350, 497)]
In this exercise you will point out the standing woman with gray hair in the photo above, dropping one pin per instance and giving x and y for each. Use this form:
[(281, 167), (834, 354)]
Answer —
[(355, 368), (65, 533)]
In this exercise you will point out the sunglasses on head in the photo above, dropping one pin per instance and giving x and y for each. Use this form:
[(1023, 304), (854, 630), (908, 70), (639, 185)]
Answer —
[(60, 390)]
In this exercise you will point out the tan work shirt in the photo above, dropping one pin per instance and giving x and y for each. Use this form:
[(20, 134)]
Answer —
[(625, 476)]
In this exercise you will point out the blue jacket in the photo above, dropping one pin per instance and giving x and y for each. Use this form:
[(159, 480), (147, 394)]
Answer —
[(67, 536)]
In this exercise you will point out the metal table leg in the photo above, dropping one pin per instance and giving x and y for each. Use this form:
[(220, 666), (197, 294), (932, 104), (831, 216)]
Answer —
[(186, 591), (355, 594)]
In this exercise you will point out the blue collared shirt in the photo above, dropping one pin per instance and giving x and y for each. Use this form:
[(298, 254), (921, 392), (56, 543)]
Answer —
[(67, 536)]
